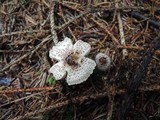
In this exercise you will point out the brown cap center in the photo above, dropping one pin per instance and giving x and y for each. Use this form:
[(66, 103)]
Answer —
[(102, 60)]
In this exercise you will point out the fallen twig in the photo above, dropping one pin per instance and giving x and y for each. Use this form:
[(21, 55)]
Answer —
[(23, 32), (121, 31), (12, 91), (13, 51), (152, 23), (52, 24)]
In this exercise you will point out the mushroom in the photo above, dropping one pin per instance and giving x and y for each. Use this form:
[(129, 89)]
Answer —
[(103, 61), (72, 63)]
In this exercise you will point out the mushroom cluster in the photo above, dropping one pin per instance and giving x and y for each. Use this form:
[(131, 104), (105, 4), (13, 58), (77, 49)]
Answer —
[(72, 62)]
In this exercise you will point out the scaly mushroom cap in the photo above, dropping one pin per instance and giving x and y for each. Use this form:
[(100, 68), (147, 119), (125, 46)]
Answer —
[(72, 61)]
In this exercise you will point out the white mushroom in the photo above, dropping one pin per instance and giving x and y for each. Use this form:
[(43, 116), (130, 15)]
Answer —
[(103, 61), (71, 60)]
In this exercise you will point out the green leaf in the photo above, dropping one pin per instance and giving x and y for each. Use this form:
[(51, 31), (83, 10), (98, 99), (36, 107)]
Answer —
[(23, 2), (51, 80)]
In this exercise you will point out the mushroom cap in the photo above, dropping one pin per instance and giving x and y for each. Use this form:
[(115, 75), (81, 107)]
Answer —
[(103, 61), (72, 62)]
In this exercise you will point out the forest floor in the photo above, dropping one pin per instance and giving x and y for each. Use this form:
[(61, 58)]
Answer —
[(127, 29)]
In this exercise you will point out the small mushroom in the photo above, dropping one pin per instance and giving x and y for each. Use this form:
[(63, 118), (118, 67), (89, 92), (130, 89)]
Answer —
[(103, 61)]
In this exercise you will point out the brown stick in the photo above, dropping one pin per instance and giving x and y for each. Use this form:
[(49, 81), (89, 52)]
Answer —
[(12, 91), (23, 32)]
